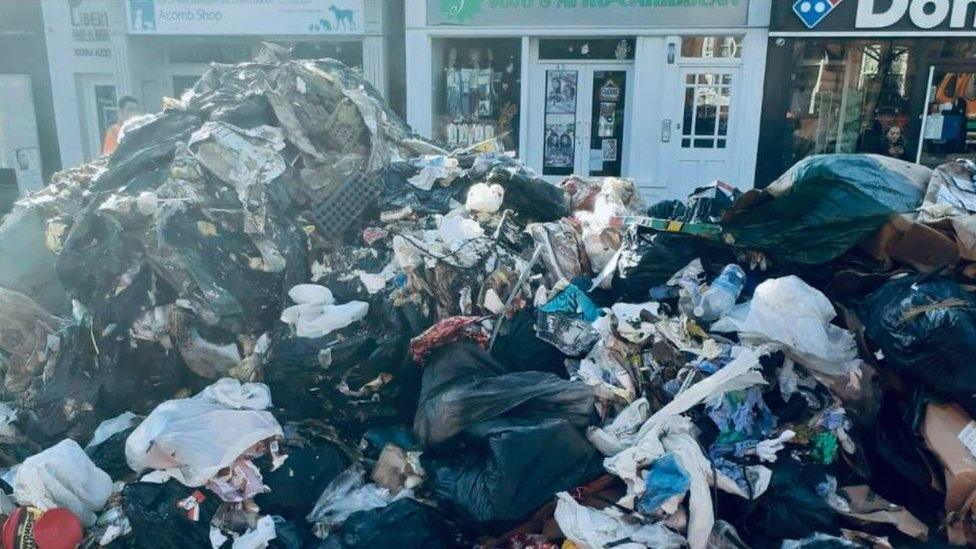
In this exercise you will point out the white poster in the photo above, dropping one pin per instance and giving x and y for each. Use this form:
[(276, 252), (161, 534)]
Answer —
[(267, 17), (933, 127)]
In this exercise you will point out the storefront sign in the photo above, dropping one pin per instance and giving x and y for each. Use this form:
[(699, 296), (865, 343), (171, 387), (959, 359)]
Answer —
[(874, 15), (90, 29), (588, 13), (245, 17)]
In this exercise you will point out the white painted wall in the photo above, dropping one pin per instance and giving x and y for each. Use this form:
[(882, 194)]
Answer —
[(654, 79)]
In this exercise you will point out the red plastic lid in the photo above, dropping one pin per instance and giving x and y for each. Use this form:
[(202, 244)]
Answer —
[(58, 529)]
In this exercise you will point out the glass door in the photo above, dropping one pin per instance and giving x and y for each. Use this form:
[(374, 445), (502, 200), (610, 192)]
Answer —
[(581, 129), (949, 120)]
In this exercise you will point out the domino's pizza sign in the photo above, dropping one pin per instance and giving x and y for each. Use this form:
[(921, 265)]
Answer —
[(812, 12), (882, 15)]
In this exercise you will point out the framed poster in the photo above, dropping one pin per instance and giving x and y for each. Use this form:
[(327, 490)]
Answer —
[(561, 92), (559, 150)]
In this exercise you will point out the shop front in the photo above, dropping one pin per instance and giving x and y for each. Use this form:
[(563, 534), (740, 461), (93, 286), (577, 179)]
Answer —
[(896, 78), (660, 92), (102, 50), (172, 43)]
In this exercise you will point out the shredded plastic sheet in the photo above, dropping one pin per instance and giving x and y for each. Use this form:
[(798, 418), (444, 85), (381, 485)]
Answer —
[(191, 439), (589, 528)]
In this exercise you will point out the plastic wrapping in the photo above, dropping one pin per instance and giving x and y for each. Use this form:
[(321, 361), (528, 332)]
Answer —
[(194, 438)]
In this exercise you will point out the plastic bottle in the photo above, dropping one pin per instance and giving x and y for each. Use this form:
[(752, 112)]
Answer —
[(722, 294), (689, 296)]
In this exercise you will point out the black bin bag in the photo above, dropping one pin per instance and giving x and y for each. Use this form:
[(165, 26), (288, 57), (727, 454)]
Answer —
[(463, 386), (925, 328), (404, 524), (297, 484), (159, 516), (508, 469)]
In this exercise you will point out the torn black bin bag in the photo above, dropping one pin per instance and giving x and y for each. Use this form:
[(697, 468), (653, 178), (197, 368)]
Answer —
[(532, 197), (96, 253), (399, 193), (342, 376), (291, 534), (210, 266), (463, 386), (404, 524), (791, 508), (297, 484), (109, 455), (144, 145), (651, 258), (169, 515), (508, 468), (926, 328), (519, 348), (62, 399)]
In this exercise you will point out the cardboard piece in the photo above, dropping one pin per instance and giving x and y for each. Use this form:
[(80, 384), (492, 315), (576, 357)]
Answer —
[(921, 246), (941, 428)]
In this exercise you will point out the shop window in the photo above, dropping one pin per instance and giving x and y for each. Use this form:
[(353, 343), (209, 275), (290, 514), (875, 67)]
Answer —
[(706, 110), (349, 52), (563, 49), (477, 86), (711, 47), (852, 96), (949, 126)]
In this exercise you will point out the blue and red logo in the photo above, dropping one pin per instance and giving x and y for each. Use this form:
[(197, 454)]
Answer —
[(812, 12)]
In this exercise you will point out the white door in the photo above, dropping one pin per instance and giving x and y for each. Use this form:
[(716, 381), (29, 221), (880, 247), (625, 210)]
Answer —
[(698, 141), (578, 119)]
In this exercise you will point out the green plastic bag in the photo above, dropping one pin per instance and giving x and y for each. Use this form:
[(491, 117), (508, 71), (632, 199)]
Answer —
[(827, 204)]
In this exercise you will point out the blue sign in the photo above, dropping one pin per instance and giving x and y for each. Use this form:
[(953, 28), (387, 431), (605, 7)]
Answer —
[(812, 12)]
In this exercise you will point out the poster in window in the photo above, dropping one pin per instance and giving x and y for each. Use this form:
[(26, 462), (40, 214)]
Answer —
[(483, 82), (561, 92), (454, 94), (560, 144), (608, 119), (610, 91), (466, 93), (606, 134), (609, 150)]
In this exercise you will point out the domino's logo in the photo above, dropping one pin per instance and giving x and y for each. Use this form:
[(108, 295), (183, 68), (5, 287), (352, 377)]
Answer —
[(812, 12)]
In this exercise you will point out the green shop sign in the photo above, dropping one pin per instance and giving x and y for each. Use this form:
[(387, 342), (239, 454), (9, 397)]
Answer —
[(588, 13)]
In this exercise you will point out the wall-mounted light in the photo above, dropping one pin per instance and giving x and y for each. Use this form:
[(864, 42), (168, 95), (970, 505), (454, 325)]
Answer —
[(672, 51)]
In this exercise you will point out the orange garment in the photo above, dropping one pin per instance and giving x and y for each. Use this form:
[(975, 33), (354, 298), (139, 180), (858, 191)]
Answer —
[(111, 139)]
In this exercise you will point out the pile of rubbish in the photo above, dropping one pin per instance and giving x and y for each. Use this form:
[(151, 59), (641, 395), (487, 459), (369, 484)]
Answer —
[(273, 317)]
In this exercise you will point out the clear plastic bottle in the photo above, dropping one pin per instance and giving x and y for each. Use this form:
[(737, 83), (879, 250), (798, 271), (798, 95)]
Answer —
[(722, 294), (689, 295)]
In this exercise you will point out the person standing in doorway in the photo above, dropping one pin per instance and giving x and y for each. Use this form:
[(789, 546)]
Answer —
[(128, 108)]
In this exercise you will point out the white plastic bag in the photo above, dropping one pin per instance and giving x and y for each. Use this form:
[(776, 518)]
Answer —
[(264, 531), (590, 528), (346, 494), (108, 428), (794, 317), (484, 198), (316, 314), (194, 438), (63, 476)]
